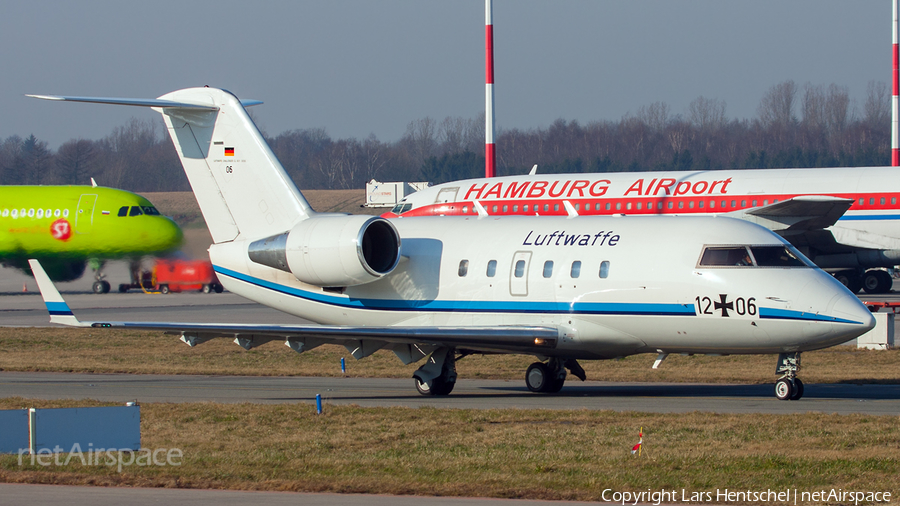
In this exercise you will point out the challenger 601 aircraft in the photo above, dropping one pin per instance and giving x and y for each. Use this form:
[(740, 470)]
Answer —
[(65, 226), (560, 289), (847, 220)]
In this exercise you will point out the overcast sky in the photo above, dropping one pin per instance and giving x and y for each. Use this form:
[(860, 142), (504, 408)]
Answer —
[(361, 67)]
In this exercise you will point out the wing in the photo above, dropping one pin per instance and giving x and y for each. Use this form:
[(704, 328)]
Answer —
[(799, 214), (408, 343)]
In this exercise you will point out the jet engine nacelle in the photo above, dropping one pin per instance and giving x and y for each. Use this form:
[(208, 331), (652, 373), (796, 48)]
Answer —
[(332, 250)]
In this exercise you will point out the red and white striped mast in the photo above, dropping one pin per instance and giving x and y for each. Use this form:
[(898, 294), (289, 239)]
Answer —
[(895, 100), (490, 160)]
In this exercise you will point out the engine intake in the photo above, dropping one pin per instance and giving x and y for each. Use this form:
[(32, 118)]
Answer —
[(332, 250)]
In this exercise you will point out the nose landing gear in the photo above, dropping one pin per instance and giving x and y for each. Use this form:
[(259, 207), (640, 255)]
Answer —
[(789, 386)]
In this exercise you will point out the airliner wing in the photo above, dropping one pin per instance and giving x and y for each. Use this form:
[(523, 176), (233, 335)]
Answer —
[(807, 212), (360, 341)]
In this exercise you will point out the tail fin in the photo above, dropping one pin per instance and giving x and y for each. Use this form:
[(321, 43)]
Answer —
[(240, 185)]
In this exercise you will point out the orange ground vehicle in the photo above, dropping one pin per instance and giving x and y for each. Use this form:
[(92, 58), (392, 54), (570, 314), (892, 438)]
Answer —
[(178, 276)]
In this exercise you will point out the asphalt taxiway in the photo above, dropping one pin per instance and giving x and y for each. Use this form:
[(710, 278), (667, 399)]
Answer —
[(469, 394)]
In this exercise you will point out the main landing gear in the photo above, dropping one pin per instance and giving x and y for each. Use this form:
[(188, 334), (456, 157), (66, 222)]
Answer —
[(549, 378), (438, 375), (789, 386), (100, 285), (871, 281)]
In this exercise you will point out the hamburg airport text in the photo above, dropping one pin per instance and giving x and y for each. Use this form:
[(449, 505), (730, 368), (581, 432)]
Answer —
[(581, 188)]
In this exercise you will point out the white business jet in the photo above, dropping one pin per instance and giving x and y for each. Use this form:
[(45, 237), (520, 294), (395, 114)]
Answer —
[(561, 289)]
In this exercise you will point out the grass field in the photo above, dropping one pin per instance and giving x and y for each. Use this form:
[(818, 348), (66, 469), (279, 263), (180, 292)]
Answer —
[(539, 454), (116, 351)]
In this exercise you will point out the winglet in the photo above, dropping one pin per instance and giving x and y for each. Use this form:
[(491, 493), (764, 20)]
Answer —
[(533, 170), (482, 212), (570, 209), (59, 310)]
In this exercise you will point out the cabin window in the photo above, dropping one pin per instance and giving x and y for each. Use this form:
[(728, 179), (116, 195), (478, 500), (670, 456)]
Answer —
[(548, 268), (525, 208), (893, 200), (659, 206), (5, 213), (577, 206), (494, 209), (576, 269), (123, 211), (872, 201), (31, 213), (882, 200), (40, 213), (56, 213), (15, 213), (754, 204), (465, 209), (680, 204), (669, 204), (556, 207), (135, 211), (515, 209), (743, 203), (700, 204), (607, 206), (546, 207), (638, 205), (604, 269), (862, 201), (491, 268), (691, 204), (732, 203), (463, 268), (520, 268), (505, 208), (65, 213), (766, 202), (712, 204), (597, 206), (618, 206)]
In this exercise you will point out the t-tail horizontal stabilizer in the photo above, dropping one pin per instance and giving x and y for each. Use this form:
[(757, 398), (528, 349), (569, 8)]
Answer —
[(59, 310)]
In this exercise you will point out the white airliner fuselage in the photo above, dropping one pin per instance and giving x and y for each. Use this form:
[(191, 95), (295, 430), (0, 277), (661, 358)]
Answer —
[(557, 288), (844, 219)]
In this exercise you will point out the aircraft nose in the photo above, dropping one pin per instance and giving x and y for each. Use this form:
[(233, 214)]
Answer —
[(847, 306), (169, 235)]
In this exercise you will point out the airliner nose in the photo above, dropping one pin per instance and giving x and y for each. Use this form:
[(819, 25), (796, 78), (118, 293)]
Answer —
[(849, 308), (168, 235)]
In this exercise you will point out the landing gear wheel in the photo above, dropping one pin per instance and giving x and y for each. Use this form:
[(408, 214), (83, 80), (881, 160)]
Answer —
[(798, 389), (438, 387), (164, 288), (206, 289), (537, 376), (784, 389), (218, 288), (100, 287), (877, 281), (850, 279)]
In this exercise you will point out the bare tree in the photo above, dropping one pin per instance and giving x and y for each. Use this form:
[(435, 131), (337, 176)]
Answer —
[(707, 113), (877, 110), (75, 162), (655, 115), (777, 105), (813, 107)]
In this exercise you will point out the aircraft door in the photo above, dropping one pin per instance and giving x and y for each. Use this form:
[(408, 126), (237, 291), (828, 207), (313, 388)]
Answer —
[(446, 195), (518, 276), (84, 214)]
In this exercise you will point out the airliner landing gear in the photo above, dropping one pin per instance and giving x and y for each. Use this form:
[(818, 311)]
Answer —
[(438, 375), (100, 285), (549, 378), (789, 386), (877, 281)]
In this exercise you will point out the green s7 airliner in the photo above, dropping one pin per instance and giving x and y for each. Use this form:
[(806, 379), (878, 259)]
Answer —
[(66, 226)]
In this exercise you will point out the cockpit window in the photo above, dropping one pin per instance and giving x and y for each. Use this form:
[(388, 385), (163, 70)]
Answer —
[(726, 256), (401, 208), (123, 211), (135, 211), (753, 256), (777, 256), (150, 211)]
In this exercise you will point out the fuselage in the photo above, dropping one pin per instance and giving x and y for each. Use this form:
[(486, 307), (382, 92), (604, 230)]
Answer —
[(80, 222), (617, 285)]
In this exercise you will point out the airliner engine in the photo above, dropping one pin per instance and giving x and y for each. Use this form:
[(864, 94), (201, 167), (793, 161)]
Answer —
[(332, 250)]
